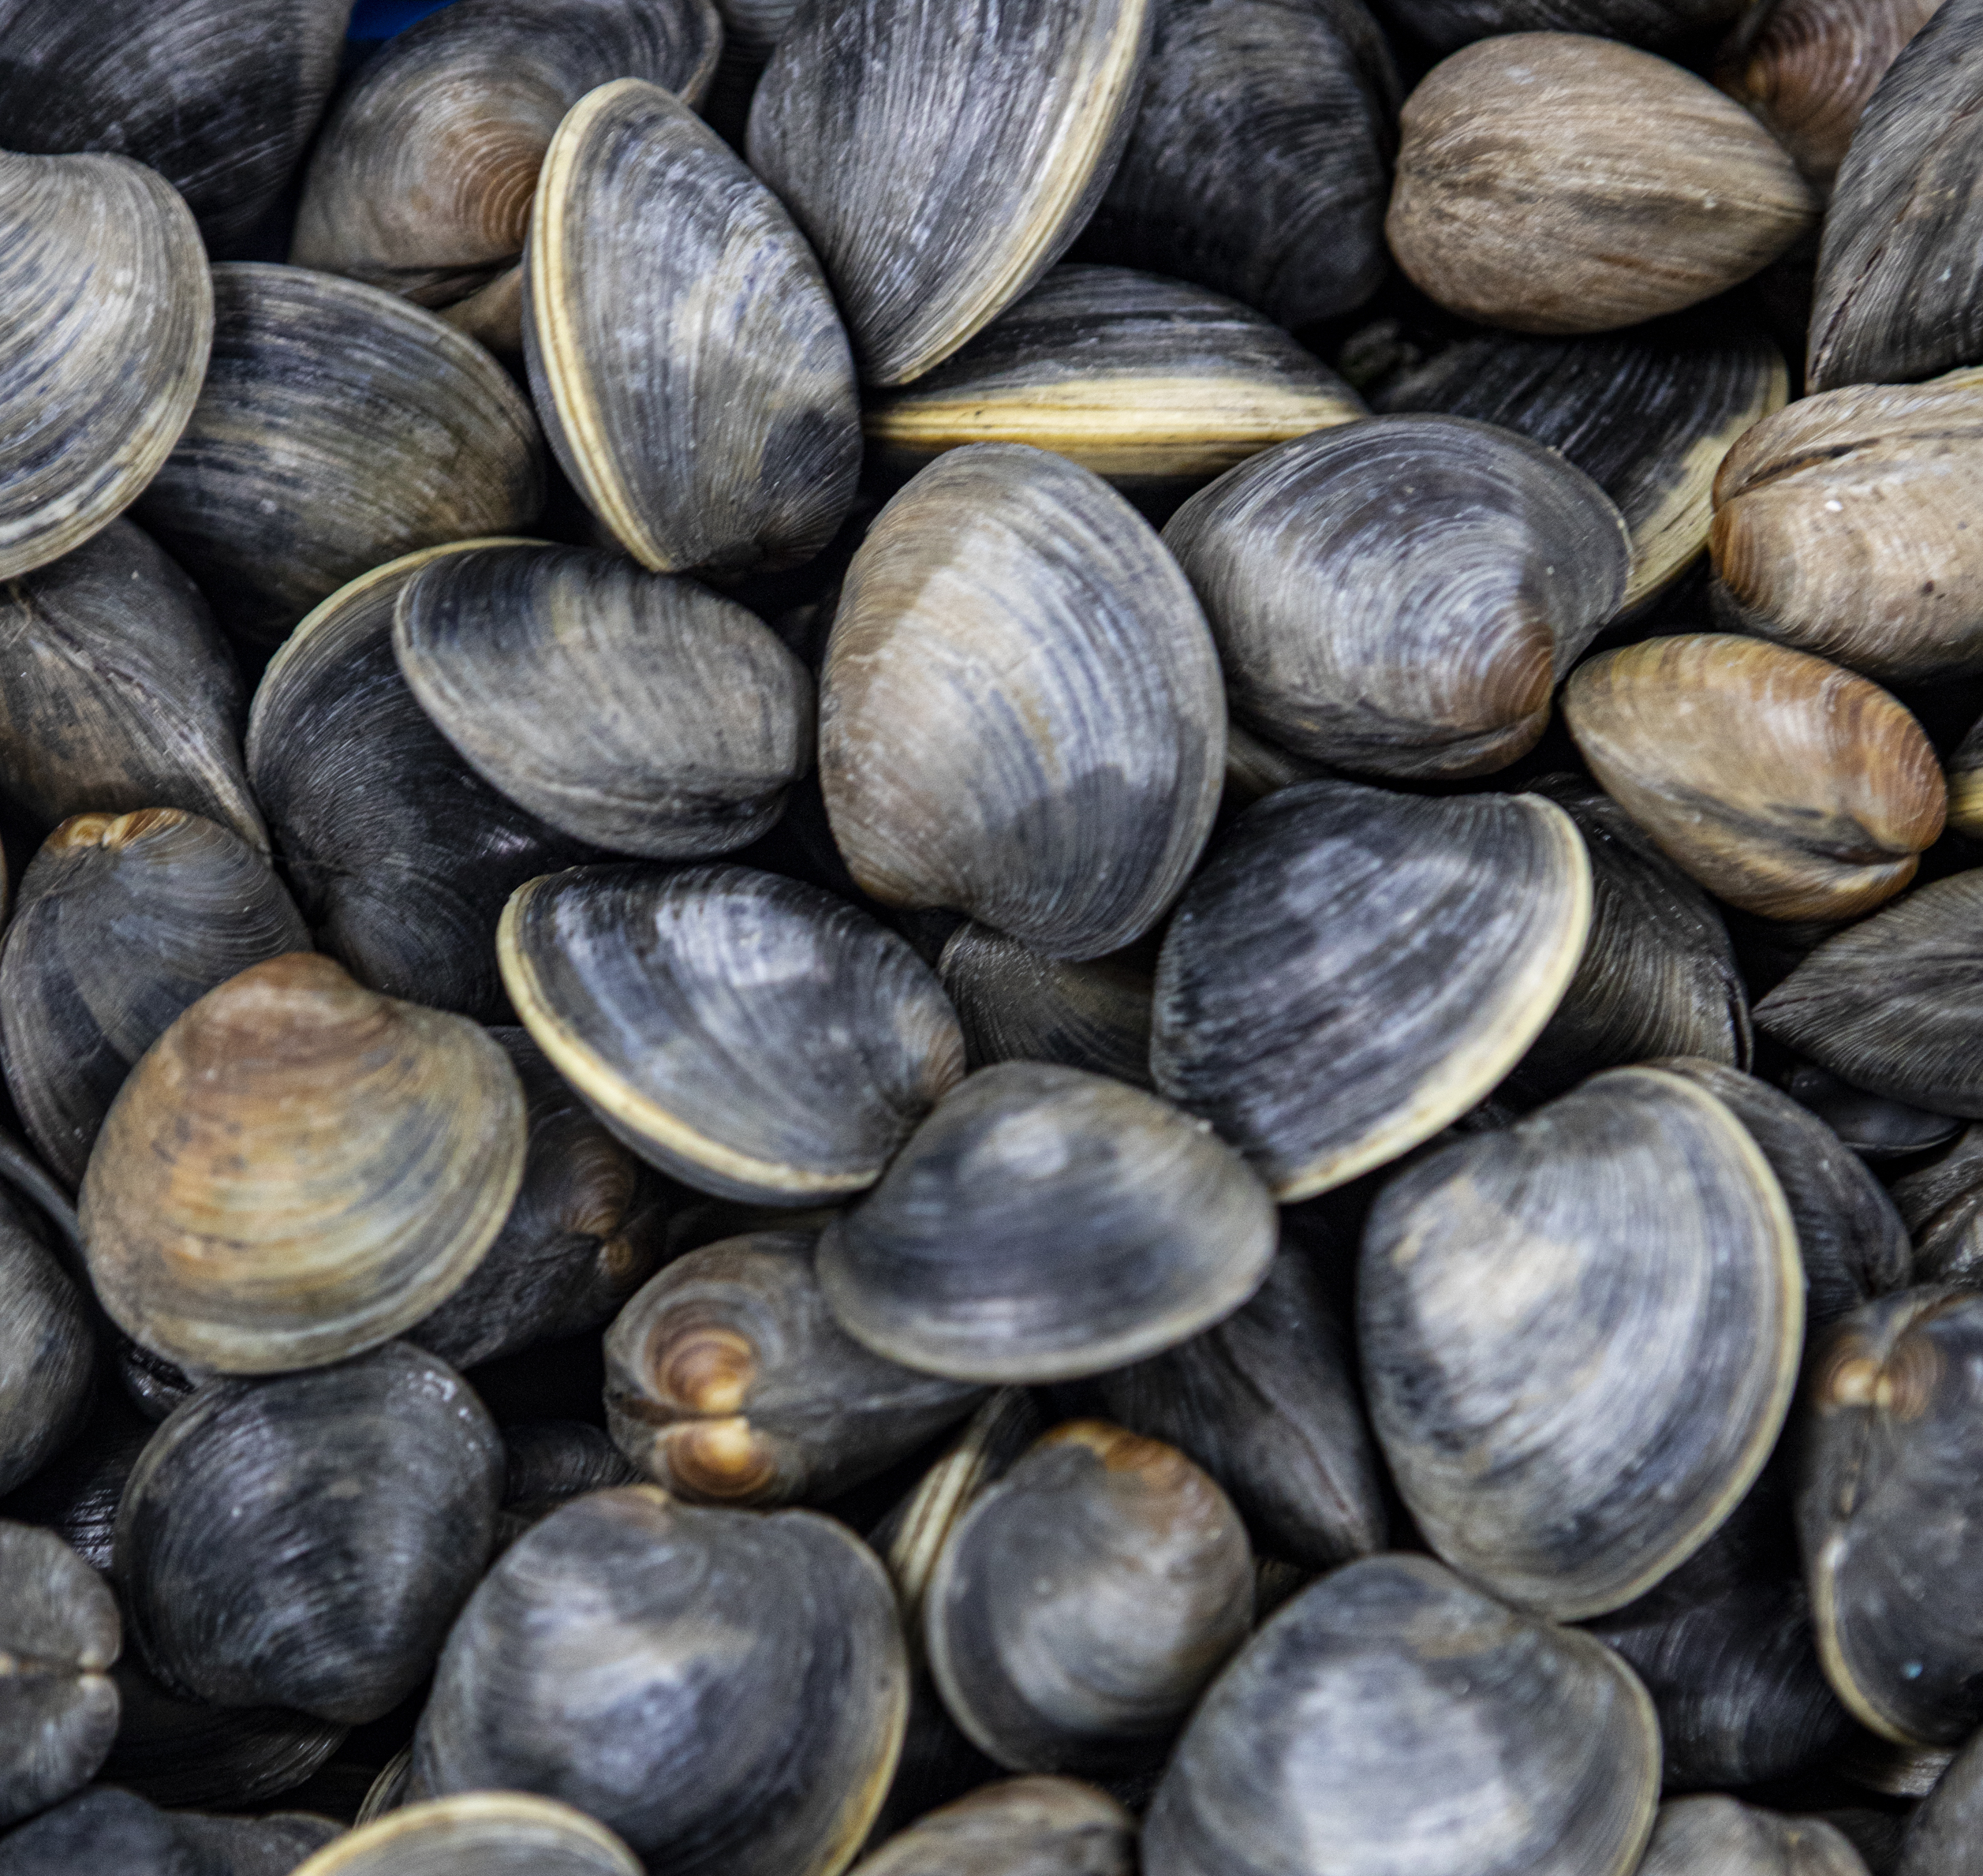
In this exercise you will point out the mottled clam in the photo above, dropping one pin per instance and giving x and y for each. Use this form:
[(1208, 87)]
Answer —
[(1017, 1006), (1718, 1837), (102, 1828), (48, 1355), (480, 1834), (59, 1633), (1041, 1826)]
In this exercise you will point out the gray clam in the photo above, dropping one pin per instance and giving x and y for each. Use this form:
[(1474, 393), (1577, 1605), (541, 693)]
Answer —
[(1445, 24), (1942, 1832), (48, 1352), (1942, 1203), (59, 1633), (1016, 1827), (1718, 1837), (103, 1828), (479, 1834), (1016, 1005)]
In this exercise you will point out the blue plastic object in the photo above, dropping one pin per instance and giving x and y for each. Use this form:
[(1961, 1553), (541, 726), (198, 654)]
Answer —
[(381, 19)]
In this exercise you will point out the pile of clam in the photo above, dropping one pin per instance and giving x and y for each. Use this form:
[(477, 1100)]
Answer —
[(991, 938)]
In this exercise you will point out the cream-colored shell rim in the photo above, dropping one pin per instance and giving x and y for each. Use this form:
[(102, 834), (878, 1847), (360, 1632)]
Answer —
[(513, 1809), (1965, 812), (1645, 1795)]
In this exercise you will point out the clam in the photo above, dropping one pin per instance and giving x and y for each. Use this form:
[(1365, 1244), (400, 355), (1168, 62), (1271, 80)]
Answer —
[(1556, 183), (104, 1828), (112, 318), (1964, 775), (48, 1352), (221, 97), (1895, 297), (400, 855), (1260, 157), (258, 1846), (59, 1633), (1018, 1006), (1573, 1444), (480, 1834), (638, 712), (548, 1463), (1806, 68), (1020, 714), (1044, 1223), (75, 1494), (1155, 385), (422, 180), (1942, 1203), (1083, 1602), (122, 920), (1039, 1826), (1942, 1833), (755, 1037), (298, 1170), (1268, 1403), (941, 157), (1893, 1004), (338, 426), (1784, 784), (1402, 596), (1446, 23), (586, 1228), (1873, 1126), (723, 1689), (1692, 1836), (387, 1463), (117, 692), (1887, 1499), (1648, 415), (1289, 1015), (1391, 1710), (728, 1382), (1848, 526), (1256, 769)]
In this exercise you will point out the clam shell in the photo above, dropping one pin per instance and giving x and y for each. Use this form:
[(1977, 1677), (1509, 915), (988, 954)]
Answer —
[(641, 713), (479, 1834), (1017, 1006), (941, 157), (75, 1495), (345, 1175), (111, 322), (684, 352), (1942, 1832), (1044, 1826), (338, 428), (1400, 597), (1288, 1014), (1391, 1704), (1785, 785), (755, 1037), (1873, 1126), (1020, 715), (47, 1353), (549, 1462), (422, 180), (1849, 525), (1445, 24), (1675, 193), (1575, 1444), (1964, 775), (1648, 415), (1042, 1224), (1260, 159), (1694, 1836), (1943, 1205)]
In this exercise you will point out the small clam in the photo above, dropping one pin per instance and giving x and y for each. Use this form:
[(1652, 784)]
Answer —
[(1081, 1605), (480, 1834), (1942, 1203), (298, 1170), (1401, 597), (1555, 182), (1044, 1223), (723, 1689), (1289, 1015), (59, 1632), (548, 1463), (1021, 715), (1446, 23), (337, 426), (1260, 158), (1391, 1711), (1717, 1837), (791, 1080), (47, 1353), (1873, 1126), (684, 352), (641, 713), (102, 1829), (1943, 1833), (1784, 784), (1576, 1443), (122, 920), (387, 1464), (1017, 1827), (941, 157), (1017, 1006), (112, 317), (728, 1382)]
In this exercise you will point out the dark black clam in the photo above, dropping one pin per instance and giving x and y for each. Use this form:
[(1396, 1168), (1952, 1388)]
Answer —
[(1875, 1128), (1942, 1203), (1445, 24), (106, 1829), (75, 1494), (549, 1462), (1018, 1005), (48, 1352)]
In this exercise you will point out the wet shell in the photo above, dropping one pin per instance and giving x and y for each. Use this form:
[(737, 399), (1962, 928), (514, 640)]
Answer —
[(47, 1353), (1446, 23), (338, 428), (1894, 1005), (1045, 1224), (1391, 1705), (122, 922), (791, 1082), (1260, 159), (480, 1833), (1400, 597), (1965, 778), (1717, 1837), (422, 178), (1785, 785), (684, 352), (1942, 1832), (59, 1632), (1849, 525), (1648, 415), (1943, 1205), (103, 1828), (1873, 1126), (1288, 1014), (1675, 194), (1154, 385), (112, 318), (342, 1176), (642, 714), (1573, 1445), (548, 1463), (728, 1382), (75, 1495), (1017, 1827), (941, 157), (1020, 715), (1017, 1006)]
